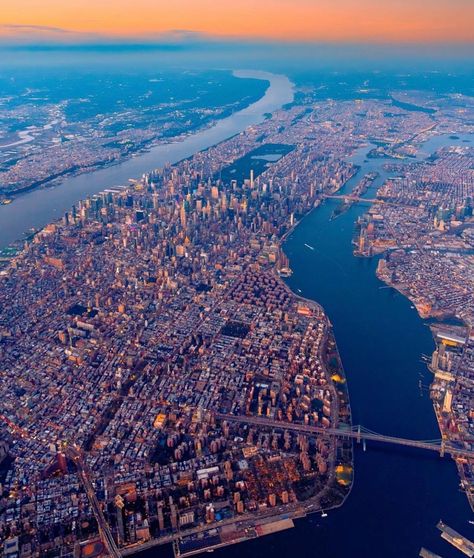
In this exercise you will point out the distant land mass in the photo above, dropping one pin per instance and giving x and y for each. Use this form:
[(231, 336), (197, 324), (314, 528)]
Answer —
[(57, 123)]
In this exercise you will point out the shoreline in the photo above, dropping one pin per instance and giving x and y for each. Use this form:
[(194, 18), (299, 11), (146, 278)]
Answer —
[(336, 489), (146, 146), (45, 204), (439, 320), (294, 511), (438, 317)]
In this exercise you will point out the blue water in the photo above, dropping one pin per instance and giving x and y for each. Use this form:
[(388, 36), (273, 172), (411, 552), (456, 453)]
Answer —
[(398, 494)]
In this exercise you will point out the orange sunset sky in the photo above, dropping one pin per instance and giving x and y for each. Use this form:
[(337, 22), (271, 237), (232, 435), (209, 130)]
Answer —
[(307, 20)]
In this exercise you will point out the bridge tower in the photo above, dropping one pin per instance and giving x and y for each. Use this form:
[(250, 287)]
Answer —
[(358, 434)]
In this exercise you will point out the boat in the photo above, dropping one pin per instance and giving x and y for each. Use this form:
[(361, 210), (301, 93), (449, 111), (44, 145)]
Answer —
[(309, 246), (324, 514), (285, 272), (299, 290)]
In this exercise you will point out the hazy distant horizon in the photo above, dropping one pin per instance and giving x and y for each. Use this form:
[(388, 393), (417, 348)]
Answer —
[(190, 53)]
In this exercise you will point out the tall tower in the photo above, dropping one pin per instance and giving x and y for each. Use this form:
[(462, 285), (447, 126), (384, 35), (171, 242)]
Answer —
[(182, 214)]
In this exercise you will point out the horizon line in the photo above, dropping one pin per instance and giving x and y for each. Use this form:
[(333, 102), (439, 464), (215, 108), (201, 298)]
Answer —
[(208, 40), (16, 34)]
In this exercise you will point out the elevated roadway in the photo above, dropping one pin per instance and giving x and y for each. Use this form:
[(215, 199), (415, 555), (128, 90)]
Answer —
[(358, 433), (104, 528)]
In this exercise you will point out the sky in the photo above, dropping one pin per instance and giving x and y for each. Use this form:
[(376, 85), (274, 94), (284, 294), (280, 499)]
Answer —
[(394, 21)]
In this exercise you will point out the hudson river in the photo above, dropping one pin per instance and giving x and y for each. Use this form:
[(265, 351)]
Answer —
[(43, 205), (398, 495)]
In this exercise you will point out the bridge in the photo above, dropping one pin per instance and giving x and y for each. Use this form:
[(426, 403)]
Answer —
[(353, 198), (357, 432)]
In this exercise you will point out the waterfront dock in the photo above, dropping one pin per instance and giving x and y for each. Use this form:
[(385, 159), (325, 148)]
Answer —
[(456, 539), (424, 553), (220, 537)]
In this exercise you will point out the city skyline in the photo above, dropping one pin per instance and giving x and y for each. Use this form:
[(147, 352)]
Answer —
[(236, 278), (419, 21)]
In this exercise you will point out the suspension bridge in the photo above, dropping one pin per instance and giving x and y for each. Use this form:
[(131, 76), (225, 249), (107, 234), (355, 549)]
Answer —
[(358, 433)]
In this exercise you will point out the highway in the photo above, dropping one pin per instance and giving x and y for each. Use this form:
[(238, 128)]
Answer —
[(104, 529), (356, 432)]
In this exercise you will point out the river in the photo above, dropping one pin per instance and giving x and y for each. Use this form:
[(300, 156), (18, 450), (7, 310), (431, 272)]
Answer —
[(43, 205), (398, 495)]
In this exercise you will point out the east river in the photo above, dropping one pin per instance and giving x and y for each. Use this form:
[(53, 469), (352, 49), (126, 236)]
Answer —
[(398, 495)]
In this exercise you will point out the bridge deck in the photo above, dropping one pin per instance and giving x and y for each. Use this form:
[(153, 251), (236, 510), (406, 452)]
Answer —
[(357, 433)]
